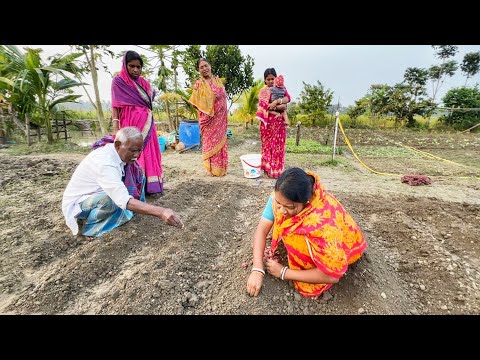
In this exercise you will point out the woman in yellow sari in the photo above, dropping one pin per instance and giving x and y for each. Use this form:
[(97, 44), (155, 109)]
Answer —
[(320, 236), (210, 99)]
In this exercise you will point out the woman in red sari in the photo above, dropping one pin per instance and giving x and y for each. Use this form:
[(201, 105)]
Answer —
[(273, 129), (210, 99), (320, 236), (132, 99)]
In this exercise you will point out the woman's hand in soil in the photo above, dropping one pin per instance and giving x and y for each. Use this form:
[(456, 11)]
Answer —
[(273, 267), (254, 283)]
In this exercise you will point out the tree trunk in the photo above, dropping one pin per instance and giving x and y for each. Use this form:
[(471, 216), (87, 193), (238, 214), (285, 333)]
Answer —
[(17, 122), (170, 122), (176, 101), (410, 121), (48, 127), (27, 130), (100, 116)]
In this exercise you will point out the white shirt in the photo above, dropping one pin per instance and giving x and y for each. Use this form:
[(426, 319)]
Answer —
[(101, 170)]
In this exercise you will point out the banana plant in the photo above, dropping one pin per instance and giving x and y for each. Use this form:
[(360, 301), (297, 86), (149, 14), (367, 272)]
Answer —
[(46, 86)]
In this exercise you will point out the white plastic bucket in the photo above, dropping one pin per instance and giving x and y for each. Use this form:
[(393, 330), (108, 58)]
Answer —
[(251, 164)]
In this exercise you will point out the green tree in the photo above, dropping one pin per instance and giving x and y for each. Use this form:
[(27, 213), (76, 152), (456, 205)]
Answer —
[(467, 100), (438, 73), (404, 105), (315, 100), (189, 63), (378, 99), (292, 110), (470, 65), (417, 79), (360, 107)]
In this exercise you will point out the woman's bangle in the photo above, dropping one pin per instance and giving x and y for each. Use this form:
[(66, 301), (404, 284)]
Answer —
[(282, 273), (115, 120), (281, 101), (258, 270)]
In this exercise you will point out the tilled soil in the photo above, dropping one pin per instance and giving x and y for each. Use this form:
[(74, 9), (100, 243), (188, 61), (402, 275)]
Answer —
[(422, 258)]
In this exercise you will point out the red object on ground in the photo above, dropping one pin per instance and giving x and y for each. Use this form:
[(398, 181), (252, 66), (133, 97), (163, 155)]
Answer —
[(415, 180)]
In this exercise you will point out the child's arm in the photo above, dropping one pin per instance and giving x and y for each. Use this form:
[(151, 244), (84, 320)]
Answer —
[(280, 107)]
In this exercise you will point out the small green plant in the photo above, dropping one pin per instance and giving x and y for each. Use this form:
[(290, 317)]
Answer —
[(331, 163), (307, 146)]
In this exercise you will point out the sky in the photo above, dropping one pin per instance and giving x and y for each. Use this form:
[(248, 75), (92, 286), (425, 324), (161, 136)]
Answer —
[(347, 70)]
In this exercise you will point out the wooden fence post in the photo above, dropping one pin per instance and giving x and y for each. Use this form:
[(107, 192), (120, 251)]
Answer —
[(56, 127), (65, 127), (297, 138)]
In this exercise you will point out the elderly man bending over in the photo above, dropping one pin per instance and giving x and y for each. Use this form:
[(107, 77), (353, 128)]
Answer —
[(108, 186)]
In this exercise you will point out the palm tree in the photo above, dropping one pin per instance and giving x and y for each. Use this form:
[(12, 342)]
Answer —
[(249, 102), (44, 86)]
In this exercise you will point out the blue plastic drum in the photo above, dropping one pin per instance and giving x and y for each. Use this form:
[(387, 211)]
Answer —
[(189, 132)]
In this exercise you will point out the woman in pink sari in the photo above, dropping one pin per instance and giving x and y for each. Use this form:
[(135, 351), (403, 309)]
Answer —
[(132, 102), (210, 99), (273, 129)]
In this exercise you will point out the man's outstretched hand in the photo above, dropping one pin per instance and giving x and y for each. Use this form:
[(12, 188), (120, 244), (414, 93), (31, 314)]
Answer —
[(171, 218)]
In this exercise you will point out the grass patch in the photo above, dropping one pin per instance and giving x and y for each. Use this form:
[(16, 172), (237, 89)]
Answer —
[(309, 161), (309, 146), (44, 148), (385, 151), (78, 143)]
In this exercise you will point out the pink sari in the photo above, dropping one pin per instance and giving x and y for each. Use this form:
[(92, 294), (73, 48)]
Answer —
[(134, 101), (213, 128), (273, 133)]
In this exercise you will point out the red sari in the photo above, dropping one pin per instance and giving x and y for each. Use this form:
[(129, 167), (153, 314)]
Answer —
[(322, 235), (210, 99), (273, 134)]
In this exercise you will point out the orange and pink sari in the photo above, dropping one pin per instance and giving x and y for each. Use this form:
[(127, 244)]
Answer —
[(322, 235), (273, 134), (211, 101)]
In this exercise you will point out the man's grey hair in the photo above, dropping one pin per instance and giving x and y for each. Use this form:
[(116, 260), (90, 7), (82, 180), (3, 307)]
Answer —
[(127, 133)]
